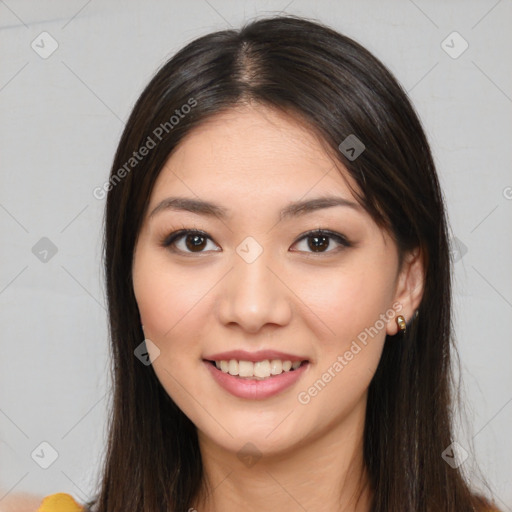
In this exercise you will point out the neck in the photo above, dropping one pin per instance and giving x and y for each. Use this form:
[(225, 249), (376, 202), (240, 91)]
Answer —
[(324, 472)]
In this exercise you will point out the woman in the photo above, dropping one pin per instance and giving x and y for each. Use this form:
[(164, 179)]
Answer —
[(275, 232)]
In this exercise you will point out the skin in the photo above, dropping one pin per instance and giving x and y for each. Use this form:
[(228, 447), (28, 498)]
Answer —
[(254, 161), (19, 502)]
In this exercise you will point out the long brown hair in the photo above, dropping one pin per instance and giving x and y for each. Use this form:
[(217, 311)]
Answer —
[(337, 88)]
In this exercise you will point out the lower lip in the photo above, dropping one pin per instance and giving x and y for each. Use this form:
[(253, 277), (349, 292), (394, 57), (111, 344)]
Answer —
[(256, 389)]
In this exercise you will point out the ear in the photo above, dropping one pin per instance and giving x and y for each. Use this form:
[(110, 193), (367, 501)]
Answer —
[(409, 288)]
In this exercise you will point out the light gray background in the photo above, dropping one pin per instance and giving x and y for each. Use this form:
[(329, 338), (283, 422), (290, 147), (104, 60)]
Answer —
[(61, 119)]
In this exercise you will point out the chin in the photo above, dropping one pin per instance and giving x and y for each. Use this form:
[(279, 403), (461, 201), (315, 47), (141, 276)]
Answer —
[(269, 438)]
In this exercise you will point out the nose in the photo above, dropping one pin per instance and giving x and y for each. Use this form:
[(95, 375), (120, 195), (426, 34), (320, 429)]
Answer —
[(253, 295)]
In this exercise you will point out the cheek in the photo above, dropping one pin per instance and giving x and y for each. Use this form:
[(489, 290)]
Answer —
[(348, 350), (164, 297), (169, 303), (346, 302)]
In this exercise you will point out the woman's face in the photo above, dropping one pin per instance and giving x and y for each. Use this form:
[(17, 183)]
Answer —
[(255, 282)]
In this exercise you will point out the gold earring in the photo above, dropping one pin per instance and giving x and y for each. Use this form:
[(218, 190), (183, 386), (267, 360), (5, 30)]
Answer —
[(400, 321)]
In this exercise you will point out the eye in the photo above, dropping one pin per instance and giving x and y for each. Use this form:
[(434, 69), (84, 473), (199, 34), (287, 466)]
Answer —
[(196, 241), (320, 241), (187, 241)]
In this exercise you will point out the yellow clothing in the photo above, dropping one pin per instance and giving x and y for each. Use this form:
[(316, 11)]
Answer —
[(60, 502)]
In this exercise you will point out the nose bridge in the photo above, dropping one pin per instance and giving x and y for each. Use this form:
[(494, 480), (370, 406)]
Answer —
[(252, 295)]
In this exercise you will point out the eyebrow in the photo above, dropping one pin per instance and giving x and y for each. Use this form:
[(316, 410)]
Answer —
[(297, 208)]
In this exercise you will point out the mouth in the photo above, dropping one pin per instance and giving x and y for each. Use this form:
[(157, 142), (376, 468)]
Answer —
[(259, 370), (259, 379)]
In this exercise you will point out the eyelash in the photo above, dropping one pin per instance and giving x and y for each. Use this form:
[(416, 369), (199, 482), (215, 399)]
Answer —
[(169, 240)]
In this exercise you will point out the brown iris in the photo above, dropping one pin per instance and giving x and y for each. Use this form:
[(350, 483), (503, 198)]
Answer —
[(318, 243), (195, 242)]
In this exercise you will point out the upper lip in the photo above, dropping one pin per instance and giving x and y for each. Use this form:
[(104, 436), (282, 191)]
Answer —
[(260, 355)]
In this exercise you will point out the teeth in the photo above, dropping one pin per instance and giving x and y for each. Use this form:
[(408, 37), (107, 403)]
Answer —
[(245, 369), (259, 370), (262, 368), (233, 367), (276, 367)]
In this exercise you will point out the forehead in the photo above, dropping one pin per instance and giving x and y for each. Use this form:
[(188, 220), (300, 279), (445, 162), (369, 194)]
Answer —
[(251, 150)]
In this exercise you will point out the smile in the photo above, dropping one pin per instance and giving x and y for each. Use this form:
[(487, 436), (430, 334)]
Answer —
[(258, 370), (255, 380)]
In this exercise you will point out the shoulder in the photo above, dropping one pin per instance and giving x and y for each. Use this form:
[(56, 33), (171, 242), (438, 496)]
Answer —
[(59, 502)]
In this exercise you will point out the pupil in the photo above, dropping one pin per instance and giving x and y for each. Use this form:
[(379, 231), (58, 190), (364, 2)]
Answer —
[(195, 242), (319, 243)]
